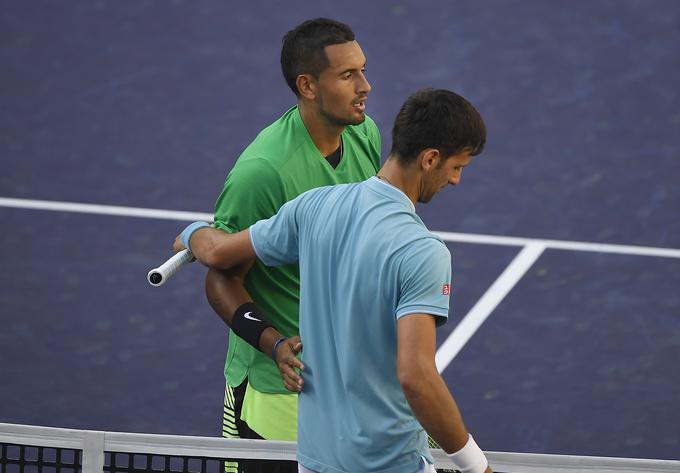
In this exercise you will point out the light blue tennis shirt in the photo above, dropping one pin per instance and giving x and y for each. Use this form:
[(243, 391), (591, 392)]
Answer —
[(366, 259)]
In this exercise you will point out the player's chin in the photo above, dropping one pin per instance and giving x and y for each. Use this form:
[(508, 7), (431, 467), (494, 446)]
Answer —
[(357, 118)]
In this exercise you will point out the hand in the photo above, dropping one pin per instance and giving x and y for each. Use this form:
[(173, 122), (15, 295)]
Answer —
[(288, 362), (182, 240), (178, 245)]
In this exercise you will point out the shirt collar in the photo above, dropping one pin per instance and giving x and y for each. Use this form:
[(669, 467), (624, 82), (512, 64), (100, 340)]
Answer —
[(385, 188), (302, 129)]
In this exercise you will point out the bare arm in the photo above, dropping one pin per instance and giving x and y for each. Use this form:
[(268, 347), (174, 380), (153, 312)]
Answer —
[(234, 253), (226, 292), (425, 390), (218, 249)]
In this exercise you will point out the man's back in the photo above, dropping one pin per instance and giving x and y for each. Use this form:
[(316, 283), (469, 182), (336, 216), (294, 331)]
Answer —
[(366, 259)]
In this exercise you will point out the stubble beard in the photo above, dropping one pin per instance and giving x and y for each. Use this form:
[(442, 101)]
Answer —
[(427, 193), (336, 120)]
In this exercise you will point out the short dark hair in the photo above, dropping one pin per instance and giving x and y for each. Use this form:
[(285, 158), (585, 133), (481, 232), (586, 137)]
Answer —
[(303, 48), (440, 119)]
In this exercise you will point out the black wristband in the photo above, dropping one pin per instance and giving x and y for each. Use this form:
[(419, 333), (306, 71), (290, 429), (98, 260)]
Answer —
[(248, 323)]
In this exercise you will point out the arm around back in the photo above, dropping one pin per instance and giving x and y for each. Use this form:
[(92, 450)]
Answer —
[(217, 249), (225, 292)]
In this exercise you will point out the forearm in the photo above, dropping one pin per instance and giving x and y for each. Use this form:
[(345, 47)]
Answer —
[(443, 423), (429, 397), (436, 410), (215, 248), (226, 292), (221, 250), (227, 295)]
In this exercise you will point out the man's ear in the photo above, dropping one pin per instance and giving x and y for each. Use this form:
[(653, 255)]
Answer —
[(307, 86), (429, 158)]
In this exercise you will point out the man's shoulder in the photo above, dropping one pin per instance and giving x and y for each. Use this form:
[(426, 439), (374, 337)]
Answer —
[(254, 169), (427, 241), (323, 194), (279, 127), (418, 243), (315, 209), (276, 143)]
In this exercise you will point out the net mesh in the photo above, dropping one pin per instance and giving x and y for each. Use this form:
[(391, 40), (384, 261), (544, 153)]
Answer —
[(435, 446), (26, 459), (16, 458), (45, 449), (138, 463)]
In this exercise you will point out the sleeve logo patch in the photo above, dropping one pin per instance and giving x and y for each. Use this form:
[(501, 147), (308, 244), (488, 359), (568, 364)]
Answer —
[(446, 289)]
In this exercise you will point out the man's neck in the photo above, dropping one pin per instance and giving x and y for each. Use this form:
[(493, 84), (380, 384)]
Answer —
[(325, 135), (404, 179)]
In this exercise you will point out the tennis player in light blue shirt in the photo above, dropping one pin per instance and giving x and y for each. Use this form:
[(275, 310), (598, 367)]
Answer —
[(374, 282), (366, 259)]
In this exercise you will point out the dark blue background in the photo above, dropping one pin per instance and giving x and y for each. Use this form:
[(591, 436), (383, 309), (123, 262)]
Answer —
[(148, 103)]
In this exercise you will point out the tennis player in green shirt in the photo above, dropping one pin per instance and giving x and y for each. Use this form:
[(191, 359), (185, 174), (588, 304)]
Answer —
[(325, 139)]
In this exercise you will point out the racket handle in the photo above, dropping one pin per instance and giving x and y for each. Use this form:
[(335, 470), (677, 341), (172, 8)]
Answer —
[(159, 275)]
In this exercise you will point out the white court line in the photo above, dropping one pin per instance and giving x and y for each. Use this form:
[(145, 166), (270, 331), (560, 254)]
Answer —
[(484, 306), (471, 322), (446, 236), (560, 244), (104, 209)]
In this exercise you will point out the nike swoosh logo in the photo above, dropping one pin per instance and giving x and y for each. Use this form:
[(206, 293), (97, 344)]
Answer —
[(247, 316)]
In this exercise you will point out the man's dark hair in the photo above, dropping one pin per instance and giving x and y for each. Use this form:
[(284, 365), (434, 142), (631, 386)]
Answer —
[(303, 48), (440, 119)]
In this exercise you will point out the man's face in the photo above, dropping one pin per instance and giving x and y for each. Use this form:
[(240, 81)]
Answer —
[(447, 172), (342, 86)]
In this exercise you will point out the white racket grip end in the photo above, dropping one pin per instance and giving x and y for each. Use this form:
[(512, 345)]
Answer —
[(159, 275)]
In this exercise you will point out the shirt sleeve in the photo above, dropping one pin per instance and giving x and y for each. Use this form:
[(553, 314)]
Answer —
[(253, 191), (425, 279), (276, 239)]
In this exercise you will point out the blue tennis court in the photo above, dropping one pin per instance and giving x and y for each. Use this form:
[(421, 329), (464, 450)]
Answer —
[(565, 232)]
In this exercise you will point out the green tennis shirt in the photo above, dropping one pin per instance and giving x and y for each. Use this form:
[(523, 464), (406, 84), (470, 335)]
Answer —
[(280, 164)]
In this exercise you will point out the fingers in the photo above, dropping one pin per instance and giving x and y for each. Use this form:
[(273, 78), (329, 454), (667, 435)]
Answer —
[(288, 364), (295, 348), (177, 244), (291, 379), (295, 344), (293, 383)]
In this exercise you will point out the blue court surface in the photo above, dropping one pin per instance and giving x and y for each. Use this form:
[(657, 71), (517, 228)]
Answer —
[(565, 232)]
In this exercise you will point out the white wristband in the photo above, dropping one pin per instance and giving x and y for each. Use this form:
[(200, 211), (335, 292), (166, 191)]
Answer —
[(470, 458)]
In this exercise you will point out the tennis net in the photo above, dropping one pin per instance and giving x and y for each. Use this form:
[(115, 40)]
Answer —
[(26, 448)]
